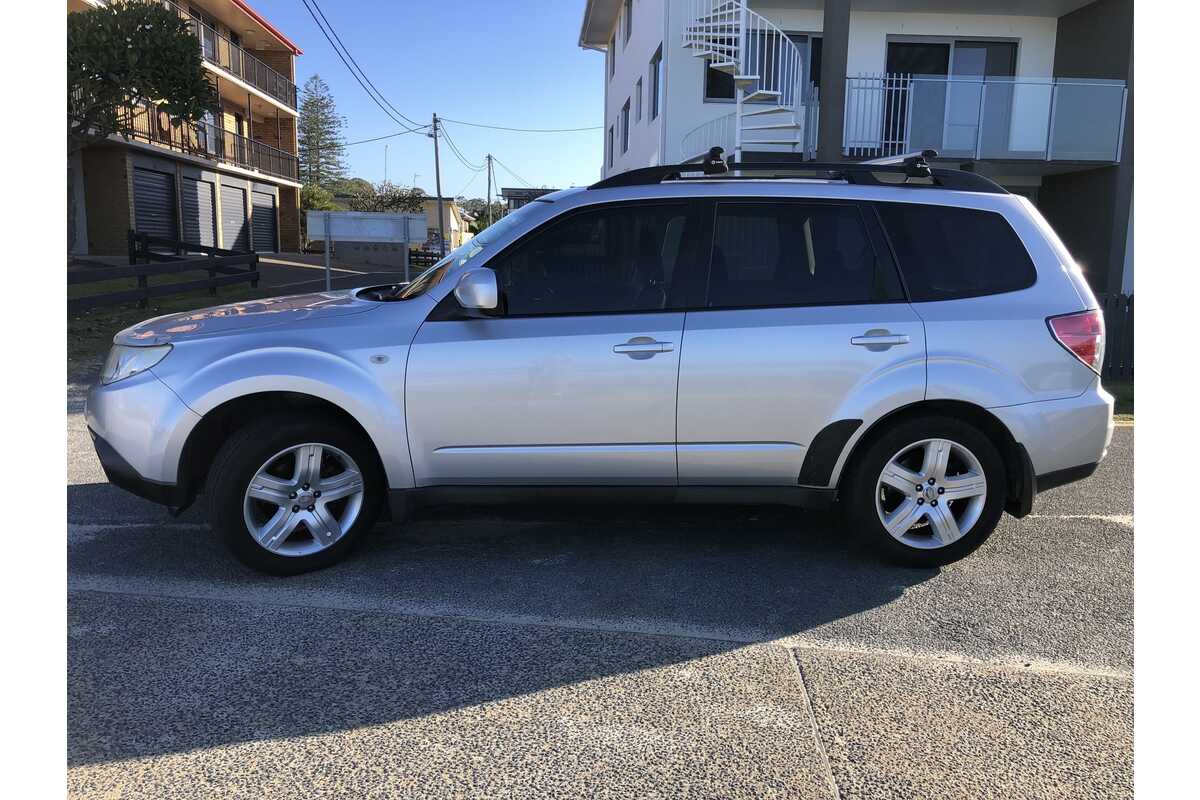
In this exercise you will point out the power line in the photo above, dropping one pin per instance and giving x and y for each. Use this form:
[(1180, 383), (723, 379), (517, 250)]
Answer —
[(386, 136), (463, 191), (522, 130), (353, 71), (510, 172), (457, 152)]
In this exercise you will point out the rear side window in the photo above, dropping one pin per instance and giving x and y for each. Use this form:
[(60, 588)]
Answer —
[(948, 253), (791, 254)]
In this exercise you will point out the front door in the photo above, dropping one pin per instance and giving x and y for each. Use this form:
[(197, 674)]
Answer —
[(804, 324), (575, 382)]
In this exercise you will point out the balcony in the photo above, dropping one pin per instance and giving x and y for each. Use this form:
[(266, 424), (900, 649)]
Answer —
[(219, 51), (1017, 119), (207, 140)]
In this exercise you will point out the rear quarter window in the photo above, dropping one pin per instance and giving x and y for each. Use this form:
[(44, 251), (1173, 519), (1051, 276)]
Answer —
[(947, 253)]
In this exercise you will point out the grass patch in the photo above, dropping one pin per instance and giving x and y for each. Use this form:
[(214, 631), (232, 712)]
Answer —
[(90, 333)]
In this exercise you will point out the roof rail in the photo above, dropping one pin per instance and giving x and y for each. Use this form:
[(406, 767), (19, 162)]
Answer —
[(858, 173)]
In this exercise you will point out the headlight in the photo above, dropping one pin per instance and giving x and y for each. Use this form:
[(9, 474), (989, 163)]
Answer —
[(124, 361)]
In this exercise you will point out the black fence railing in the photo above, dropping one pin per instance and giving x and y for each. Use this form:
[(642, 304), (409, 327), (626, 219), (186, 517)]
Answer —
[(219, 50), (163, 257), (209, 140), (1118, 336)]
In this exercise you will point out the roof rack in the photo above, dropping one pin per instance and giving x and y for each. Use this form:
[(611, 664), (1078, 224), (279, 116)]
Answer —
[(859, 173)]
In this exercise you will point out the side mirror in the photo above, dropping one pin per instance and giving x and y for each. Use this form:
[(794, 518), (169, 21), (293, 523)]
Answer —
[(477, 290)]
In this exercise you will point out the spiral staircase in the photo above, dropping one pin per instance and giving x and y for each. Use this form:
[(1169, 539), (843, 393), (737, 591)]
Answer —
[(776, 103)]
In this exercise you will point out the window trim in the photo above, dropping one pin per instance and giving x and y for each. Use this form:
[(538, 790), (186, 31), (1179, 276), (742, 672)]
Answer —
[(881, 262), (887, 237), (692, 206)]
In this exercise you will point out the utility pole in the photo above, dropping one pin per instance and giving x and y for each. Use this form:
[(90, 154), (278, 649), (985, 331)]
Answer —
[(437, 169), (489, 194)]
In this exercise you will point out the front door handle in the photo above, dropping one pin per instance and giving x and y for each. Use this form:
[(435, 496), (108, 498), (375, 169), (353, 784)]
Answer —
[(642, 347), (879, 339)]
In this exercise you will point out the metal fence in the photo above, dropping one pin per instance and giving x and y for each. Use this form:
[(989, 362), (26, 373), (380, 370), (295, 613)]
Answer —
[(1118, 336)]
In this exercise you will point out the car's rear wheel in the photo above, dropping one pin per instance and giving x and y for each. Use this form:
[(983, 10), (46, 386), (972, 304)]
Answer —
[(927, 491), (294, 495)]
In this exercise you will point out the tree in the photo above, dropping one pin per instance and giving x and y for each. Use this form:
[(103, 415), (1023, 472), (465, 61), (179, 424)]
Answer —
[(319, 132), (316, 198), (478, 208), (126, 55), (121, 58), (387, 196)]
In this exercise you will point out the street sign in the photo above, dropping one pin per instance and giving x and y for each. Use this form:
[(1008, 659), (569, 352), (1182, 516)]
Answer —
[(367, 226), (364, 226)]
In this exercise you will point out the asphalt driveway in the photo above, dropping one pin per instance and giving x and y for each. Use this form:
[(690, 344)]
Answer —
[(602, 652)]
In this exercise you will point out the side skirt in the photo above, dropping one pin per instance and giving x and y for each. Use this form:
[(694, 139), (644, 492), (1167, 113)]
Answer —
[(404, 501)]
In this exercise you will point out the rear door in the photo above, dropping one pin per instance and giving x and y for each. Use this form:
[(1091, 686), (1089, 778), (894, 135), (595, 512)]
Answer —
[(576, 382), (804, 324)]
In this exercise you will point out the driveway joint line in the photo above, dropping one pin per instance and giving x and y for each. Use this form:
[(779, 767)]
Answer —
[(816, 728)]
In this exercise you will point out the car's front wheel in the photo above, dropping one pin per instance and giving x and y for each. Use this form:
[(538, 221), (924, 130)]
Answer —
[(927, 491), (293, 495)]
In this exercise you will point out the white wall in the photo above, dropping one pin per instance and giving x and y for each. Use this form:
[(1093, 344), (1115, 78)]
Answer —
[(684, 106), (633, 63)]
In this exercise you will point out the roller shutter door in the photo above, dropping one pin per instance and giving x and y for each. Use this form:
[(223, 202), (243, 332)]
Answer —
[(264, 221), (199, 213), (154, 203), (235, 228)]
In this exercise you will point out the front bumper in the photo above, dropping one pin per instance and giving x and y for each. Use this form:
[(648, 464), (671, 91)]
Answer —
[(139, 428)]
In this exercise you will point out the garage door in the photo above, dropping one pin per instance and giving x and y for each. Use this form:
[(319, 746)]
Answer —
[(199, 215), (264, 221), (154, 203), (235, 228)]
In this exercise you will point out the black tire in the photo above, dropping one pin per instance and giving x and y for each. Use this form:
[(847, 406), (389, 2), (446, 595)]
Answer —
[(859, 498), (245, 452)]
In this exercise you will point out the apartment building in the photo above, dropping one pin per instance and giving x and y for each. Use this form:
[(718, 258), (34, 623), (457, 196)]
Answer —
[(1036, 94), (230, 180)]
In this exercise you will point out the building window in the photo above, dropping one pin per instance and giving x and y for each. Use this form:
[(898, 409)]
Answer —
[(612, 56), (625, 127), (656, 83), (610, 147), (627, 20), (638, 91)]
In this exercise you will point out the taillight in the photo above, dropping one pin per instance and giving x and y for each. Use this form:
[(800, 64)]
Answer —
[(1082, 335)]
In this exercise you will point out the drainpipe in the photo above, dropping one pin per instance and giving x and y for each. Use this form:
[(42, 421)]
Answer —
[(835, 49)]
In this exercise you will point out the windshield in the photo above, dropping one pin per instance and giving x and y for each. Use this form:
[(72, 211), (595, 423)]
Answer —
[(467, 252)]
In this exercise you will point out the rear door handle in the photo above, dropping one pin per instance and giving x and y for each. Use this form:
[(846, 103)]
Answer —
[(641, 347), (879, 339)]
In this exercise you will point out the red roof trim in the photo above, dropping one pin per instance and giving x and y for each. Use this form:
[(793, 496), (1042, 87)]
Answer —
[(270, 28)]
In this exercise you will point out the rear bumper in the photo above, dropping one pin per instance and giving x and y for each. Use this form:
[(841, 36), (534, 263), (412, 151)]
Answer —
[(1062, 436)]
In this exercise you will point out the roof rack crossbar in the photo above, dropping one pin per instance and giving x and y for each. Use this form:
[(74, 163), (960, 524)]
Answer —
[(858, 173)]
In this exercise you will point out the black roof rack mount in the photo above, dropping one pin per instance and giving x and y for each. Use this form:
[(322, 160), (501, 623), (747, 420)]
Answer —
[(909, 166)]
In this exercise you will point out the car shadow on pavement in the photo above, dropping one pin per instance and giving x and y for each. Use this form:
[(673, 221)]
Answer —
[(174, 646)]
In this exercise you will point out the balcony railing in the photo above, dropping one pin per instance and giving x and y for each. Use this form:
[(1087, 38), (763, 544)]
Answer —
[(1047, 119), (208, 140), (219, 50)]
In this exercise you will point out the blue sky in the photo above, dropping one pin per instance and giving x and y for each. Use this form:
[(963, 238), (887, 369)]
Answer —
[(515, 64)]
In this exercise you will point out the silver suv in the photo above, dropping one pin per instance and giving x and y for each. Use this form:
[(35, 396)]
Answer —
[(914, 343)]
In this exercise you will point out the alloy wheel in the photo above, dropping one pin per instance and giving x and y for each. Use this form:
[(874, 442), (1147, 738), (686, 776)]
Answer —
[(304, 499), (930, 494)]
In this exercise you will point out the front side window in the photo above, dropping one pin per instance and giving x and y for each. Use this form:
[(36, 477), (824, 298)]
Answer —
[(946, 253), (616, 259), (785, 254)]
